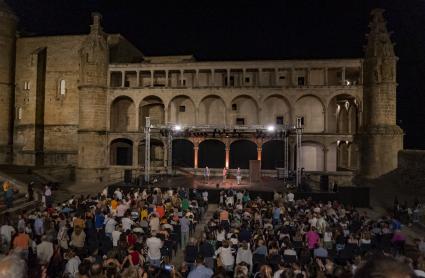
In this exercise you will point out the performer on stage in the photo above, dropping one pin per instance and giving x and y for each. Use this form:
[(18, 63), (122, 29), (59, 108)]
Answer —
[(224, 174), (238, 176), (207, 174)]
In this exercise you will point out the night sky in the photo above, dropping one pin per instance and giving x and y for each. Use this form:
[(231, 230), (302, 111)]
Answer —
[(253, 29)]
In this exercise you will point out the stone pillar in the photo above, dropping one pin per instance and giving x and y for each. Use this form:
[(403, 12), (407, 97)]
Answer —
[(259, 151), (165, 115), (138, 78), (228, 77), (260, 77), (196, 115), (152, 80), (325, 158), (212, 81), (166, 79), (197, 78), (122, 78), (243, 77), (343, 76), (325, 74), (276, 77), (227, 162), (181, 78), (136, 120), (291, 156), (135, 154), (195, 156)]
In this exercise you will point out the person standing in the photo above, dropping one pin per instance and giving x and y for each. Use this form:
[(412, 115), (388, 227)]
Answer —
[(184, 229), (154, 245), (238, 176), (30, 191), (48, 196), (207, 174), (224, 174), (9, 197)]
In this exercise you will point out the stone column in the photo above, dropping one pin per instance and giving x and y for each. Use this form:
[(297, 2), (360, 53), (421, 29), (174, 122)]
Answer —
[(243, 77), (227, 162), (260, 77), (325, 158), (325, 75), (165, 115), (165, 156), (166, 78), (276, 77), (181, 78), (291, 156), (343, 76), (195, 156), (136, 120), (152, 73), (212, 81), (259, 151), (122, 78), (196, 115), (228, 77), (197, 78), (138, 78), (308, 81), (135, 153)]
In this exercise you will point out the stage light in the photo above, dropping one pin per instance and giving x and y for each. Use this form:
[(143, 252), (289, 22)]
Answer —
[(177, 128), (271, 128)]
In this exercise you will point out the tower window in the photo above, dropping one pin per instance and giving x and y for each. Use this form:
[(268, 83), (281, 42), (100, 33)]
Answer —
[(62, 87), (26, 85), (19, 113), (234, 107), (301, 81), (182, 108), (279, 120), (240, 121), (247, 80)]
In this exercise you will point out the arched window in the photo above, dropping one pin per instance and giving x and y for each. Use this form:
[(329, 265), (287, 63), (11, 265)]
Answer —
[(62, 87)]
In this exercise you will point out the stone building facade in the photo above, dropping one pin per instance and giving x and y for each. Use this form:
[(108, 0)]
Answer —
[(81, 101)]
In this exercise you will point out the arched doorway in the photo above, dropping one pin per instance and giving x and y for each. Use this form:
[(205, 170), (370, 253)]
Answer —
[(157, 153), (183, 153), (312, 110), (272, 155), (212, 154), (241, 152), (153, 107), (121, 152), (181, 110), (122, 116), (212, 110)]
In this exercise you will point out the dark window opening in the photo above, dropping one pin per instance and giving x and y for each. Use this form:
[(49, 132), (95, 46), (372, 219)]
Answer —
[(240, 121), (182, 108), (234, 107), (279, 120), (301, 81)]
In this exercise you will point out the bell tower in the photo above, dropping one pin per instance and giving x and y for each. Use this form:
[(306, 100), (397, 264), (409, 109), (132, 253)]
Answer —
[(92, 138), (381, 138), (8, 22)]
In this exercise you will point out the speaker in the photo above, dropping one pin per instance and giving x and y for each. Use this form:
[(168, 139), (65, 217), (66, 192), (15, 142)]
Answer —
[(127, 176), (324, 183)]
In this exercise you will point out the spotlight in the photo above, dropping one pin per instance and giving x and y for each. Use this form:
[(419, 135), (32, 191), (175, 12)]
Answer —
[(271, 128), (177, 128)]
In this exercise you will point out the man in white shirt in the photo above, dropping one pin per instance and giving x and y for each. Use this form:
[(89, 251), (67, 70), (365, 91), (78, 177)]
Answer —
[(121, 209), (118, 194), (126, 223), (290, 197), (44, 251), (116, 235), (110, 223), (154, 222), (6, 232), (71, 267), (154, 245)]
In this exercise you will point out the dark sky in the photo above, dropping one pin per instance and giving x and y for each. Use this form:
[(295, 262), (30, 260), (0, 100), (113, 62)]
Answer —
[(253, 29)]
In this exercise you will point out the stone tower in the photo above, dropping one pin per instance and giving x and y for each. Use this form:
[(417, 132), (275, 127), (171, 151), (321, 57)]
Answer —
[(92, 139), (7, 60), (380, 138)]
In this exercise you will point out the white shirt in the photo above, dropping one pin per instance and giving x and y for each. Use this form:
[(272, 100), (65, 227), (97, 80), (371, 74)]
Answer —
[(118, 194), (290, 197), (6, 231), (226, 256), (154, 245), (110, 225), (121, 209), (44, 252), (72, 266), (115, 237), (126, 223)]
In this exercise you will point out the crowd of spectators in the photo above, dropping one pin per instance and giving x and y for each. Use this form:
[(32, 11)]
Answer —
[(136, 233), (126, 233), (284, 237)]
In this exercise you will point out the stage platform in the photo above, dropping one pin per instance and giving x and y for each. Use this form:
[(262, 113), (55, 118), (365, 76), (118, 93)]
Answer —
[(357, 196)]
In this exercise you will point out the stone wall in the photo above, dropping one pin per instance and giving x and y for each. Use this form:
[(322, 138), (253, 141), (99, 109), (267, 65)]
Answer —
[(411, 160)]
